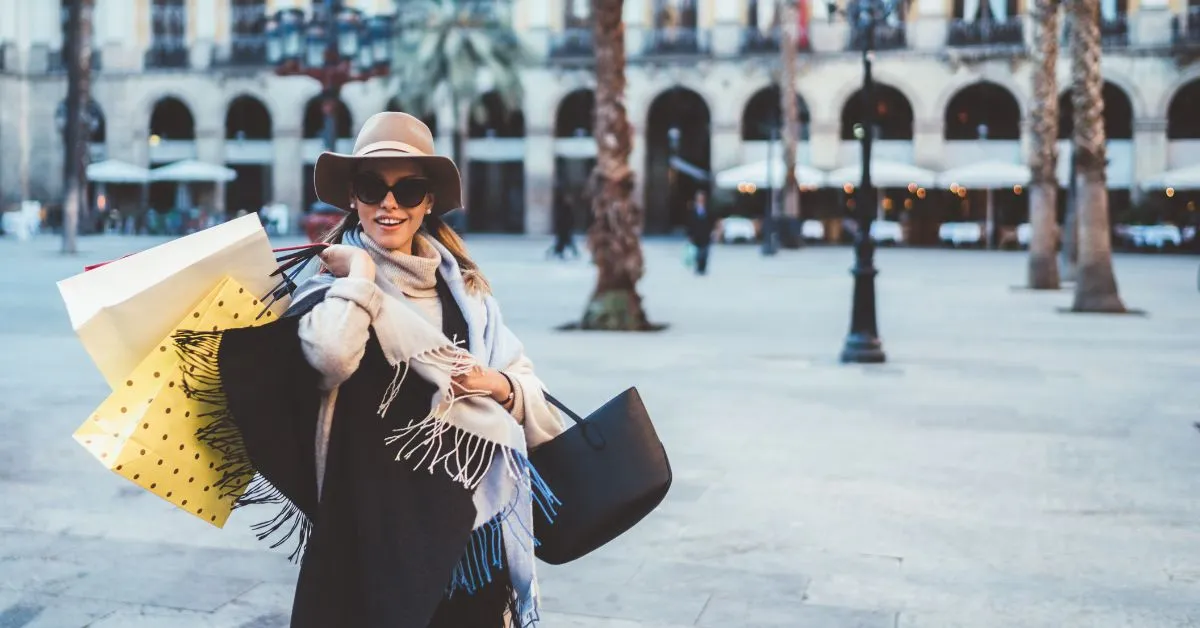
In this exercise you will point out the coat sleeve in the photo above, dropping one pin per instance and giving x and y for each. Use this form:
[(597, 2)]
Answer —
[(334, 333), (541, 420)]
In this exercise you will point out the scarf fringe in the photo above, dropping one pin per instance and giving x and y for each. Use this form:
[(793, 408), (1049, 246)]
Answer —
[(201, 382), (485, 549)]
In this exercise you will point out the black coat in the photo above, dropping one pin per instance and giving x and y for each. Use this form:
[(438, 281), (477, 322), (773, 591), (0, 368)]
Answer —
[(700, 228), (380, 545)]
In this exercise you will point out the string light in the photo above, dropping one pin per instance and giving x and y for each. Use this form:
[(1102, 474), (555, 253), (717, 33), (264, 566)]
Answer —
[(1170, 192)]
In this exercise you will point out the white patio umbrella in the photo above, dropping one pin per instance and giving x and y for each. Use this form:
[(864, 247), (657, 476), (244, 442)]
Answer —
[(115, 171), (189, 171), (1186, 178), (758, 171), (990, 176), (884, 174), (192, 171)]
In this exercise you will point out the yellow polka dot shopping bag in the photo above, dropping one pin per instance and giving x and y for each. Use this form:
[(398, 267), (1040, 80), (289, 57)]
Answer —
[(127, 312), (147, 430)]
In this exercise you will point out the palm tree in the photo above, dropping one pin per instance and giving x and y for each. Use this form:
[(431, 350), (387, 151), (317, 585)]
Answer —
[(1096, 284), (791, 114), (77, 129), (1043, 194), (453, 48), (615, 234)]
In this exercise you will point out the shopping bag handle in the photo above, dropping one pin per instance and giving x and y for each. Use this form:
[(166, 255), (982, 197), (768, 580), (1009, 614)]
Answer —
[(287, 249)]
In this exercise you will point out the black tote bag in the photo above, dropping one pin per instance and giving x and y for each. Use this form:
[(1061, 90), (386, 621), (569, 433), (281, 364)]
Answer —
[(609, 471)]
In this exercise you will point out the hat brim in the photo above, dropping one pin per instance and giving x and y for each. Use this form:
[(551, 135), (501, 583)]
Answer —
[(331, 178)]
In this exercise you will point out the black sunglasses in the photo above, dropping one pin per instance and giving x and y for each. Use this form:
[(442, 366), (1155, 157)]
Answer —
[(371, 189)]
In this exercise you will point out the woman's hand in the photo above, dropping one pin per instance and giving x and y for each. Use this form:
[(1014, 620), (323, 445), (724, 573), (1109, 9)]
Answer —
[(482, 379), (344, 260)]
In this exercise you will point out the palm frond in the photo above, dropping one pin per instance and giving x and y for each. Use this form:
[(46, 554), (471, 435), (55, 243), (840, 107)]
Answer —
[(456, 47)]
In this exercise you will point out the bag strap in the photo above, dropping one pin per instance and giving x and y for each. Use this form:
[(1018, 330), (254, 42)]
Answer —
[(561, 406)]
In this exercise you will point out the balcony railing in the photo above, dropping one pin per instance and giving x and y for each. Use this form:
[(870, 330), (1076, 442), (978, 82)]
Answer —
[(248, 45), (57, 61), (1114, 32), (1186, 28), (572, 43), (674, 41), (986, 32), (167, 54), (887, 37), (248, 49), (757, 40)]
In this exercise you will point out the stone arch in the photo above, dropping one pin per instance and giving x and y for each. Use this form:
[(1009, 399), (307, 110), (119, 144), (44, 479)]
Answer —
[(1163, 103), (900, 83), (668, 187), (1118, 122), (983, 104), (575, 111), (1182, 122), (896, 118), (151, 100), (172, 119), (766, 103), (250, 116), (958, 83), (499, 121), (314, 120)]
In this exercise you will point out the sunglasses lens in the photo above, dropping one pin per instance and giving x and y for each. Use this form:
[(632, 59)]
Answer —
[(410, 192), (369, 189)]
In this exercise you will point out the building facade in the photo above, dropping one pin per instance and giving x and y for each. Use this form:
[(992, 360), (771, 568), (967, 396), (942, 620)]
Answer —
[(187, 79)]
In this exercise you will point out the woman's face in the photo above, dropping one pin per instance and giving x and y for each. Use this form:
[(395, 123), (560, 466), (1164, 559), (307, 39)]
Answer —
[(392, 198)]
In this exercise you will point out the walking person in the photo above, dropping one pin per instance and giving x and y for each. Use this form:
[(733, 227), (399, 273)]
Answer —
[(564, 224), (701, 223), (418, 415)]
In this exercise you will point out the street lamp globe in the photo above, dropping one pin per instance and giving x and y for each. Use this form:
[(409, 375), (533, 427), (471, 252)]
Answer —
[(274, 44), (314, 53), (349, 28), (290, 34), (380, 28), (365, 60)]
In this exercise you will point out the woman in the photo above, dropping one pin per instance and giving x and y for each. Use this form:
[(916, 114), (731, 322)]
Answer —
[(426, 408)]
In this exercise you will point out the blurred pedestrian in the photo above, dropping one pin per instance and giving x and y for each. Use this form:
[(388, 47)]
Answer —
[(564, 224), (701, 223)]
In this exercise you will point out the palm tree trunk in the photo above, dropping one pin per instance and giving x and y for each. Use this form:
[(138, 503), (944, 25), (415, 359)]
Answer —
[(1043, 194), (1096, 285), (615, 234), (791, 121), (78, 130)]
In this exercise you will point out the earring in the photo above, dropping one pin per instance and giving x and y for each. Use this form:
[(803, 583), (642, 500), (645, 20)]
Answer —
[(351, 205), (429, 211)]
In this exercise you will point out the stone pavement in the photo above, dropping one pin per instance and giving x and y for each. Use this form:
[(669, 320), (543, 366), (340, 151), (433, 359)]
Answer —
[(1011, 466)]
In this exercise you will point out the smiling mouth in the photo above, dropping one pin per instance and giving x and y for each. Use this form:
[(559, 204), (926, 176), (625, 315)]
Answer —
[(390, 221)]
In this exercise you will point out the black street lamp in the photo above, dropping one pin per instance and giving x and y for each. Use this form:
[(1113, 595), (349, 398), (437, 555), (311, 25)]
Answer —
[(770, 237), (338, 45), (862, 343)]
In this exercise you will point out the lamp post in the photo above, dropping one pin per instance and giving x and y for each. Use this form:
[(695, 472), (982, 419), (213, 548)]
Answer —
[(770, 239), (338, 45), (673, 135), (862, 343)]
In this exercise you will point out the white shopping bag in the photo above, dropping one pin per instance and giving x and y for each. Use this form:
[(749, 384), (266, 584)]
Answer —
[(123, 309)]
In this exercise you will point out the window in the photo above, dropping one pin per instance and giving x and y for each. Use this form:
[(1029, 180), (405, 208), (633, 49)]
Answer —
[(248, 45), (168, 33)]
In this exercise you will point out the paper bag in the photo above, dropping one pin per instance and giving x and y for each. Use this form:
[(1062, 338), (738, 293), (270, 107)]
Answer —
[(124, 309), (146, 430)]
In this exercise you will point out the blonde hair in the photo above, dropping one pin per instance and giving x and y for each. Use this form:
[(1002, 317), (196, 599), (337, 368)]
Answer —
[(435, 228)]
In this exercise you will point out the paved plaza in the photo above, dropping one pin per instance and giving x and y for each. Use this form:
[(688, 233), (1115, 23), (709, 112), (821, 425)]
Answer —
[(1011, 466)]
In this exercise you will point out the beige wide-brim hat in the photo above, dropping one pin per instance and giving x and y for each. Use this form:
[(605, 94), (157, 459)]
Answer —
[(389, 135)]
